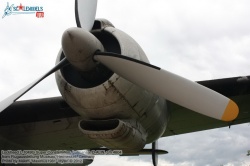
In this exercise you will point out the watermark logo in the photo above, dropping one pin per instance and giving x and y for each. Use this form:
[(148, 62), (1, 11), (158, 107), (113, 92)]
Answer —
[(23, 9)]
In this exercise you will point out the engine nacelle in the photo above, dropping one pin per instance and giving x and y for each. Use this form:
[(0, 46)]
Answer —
[(128, 136), (100, 94)]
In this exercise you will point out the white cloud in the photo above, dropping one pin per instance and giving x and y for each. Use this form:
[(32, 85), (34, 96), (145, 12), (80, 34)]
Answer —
[(196, 39)]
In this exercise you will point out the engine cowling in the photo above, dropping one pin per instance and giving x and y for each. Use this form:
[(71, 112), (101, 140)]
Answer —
[(100, 93)]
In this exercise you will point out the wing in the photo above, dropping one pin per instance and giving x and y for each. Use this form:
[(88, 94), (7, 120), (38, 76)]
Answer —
[(42, 124), (183, 120), (51, 124)]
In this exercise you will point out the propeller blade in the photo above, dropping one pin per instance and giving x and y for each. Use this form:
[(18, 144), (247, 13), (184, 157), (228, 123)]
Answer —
[(172, 87), (11, 99), (85, 11)]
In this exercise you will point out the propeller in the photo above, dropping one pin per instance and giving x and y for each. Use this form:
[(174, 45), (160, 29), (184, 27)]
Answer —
[(161, 82), (172, 87), (85, 11), (11, 99)]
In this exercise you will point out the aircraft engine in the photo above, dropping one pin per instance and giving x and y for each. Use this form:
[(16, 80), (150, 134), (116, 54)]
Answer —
[(98, 93)]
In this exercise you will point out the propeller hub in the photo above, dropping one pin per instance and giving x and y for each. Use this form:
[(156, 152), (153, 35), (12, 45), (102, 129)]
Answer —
[(79, 46)]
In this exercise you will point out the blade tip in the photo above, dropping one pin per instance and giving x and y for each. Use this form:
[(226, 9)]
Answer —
[(231, 112)]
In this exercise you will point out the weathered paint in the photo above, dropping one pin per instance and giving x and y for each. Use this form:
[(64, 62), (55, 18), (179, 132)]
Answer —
[(117, 97)]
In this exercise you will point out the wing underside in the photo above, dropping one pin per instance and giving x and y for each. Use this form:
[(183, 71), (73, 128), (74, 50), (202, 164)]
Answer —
[(42, 124)]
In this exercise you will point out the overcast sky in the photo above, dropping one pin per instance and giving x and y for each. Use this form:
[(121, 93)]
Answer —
[(199, 40)]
